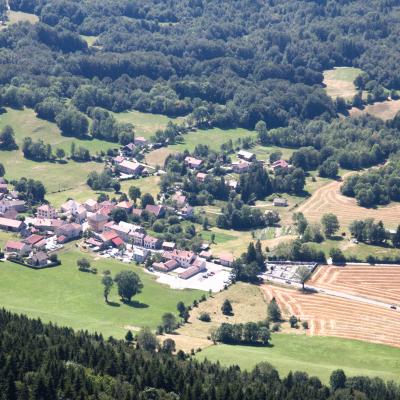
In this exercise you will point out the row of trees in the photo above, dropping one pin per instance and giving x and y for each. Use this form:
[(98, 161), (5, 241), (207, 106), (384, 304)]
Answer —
[(249, 333)]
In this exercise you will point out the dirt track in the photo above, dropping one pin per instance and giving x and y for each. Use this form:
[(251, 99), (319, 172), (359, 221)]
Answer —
[(328, 199), (331, 316)]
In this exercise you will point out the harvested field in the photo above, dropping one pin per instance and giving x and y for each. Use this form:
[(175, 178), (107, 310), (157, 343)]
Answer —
[(375, 282), (332, 316), (328, 199), (385, 110)]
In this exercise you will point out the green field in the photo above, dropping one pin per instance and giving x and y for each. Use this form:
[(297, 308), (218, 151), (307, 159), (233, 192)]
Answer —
[(340, 81), (318, 356), (146, 124), (68, 297)]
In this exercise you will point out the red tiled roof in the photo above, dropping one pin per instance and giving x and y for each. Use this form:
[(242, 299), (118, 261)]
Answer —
[(12, 244), (33, 239), (117, 241)]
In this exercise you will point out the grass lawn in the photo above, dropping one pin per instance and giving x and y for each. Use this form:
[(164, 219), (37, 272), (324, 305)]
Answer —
[(68, 297), (220, 237), (55, 176), (19, 16), (90, 40), (146, 124), (318, 356), (146, 185)]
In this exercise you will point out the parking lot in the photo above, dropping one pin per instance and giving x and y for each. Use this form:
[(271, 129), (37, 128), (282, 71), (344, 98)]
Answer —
[(214, 278)]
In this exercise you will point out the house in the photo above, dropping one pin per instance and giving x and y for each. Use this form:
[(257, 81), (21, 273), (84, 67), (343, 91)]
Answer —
[(17, 205), (240, 167), (117, 242), (20, 248), (226, 259), (94, 243), (140, 255), (46, 211), (198, 266), (206, 255), (40, 245), (3, 188), (118, 159), (91, 205), (201, 177), (130, 168), (33, 239), (193, 163), (10, 214), (97, 222), (168, 246), (125, 205), (150, 242), (179, 199), (11, 225), (80, 214), (165, 266), (141, 141), (280, 164), (69, 231), (246, 155), (70, 207), (183, 257), (280, 202), (129, 149), (157, 210), (106, 209), (138, 238), (137, 211), (39, 259), (107, 237), (187, 211)]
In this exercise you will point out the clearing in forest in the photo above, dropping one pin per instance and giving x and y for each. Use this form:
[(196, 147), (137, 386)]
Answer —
[(339, 82), (384, 110)]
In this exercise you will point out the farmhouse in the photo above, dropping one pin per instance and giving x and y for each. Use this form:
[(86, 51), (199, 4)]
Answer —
[(15, 247), (39, 259), (141, 141), (246, 155), (240, 167), (130, 168), (201, 177), (138, 238), (280, 164), (226, 259), (187, 211), (125, 205), (11, 225), (157, 210), (46, 211), (129, 149), (179, 199), (168, 246), (183, 257), (280, 202), (33, 240), (140, 255), (17, 205), (193, 163), (165, 266), (71, 207)]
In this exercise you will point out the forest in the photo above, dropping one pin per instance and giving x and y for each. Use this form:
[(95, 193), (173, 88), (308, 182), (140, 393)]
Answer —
[(47, 362), (235, 65)]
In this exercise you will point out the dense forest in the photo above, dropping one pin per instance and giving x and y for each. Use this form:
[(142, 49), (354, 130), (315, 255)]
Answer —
[(228, 63), (45, 362)]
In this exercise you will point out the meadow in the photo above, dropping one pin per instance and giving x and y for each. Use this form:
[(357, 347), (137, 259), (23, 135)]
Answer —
[(318, 356), (68, 297), (339, 82)]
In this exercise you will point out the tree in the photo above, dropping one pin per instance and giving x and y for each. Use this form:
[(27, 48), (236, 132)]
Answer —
[(396, 238), (147, 199), (304, 324), (303, 274), (274, 312), (2, 170), (118, 215), (60, 153), (264, 335), (72, 122), (181, 308), (329, 169), (134, 193), (337, 380), (146, 339), (129, 284), (337, 256), (129, 337), (205, 317), (108, 284), (293, 321), (226, 307), (83, 264), (7, 139), (168, 322), (330, 223), (168, 346)]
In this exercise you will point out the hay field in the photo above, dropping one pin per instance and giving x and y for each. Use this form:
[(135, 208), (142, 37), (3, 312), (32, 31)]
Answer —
[(384, 110), (339, 82)]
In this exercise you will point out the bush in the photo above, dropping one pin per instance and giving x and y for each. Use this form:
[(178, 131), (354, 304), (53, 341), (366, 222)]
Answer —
[(205, 317)]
